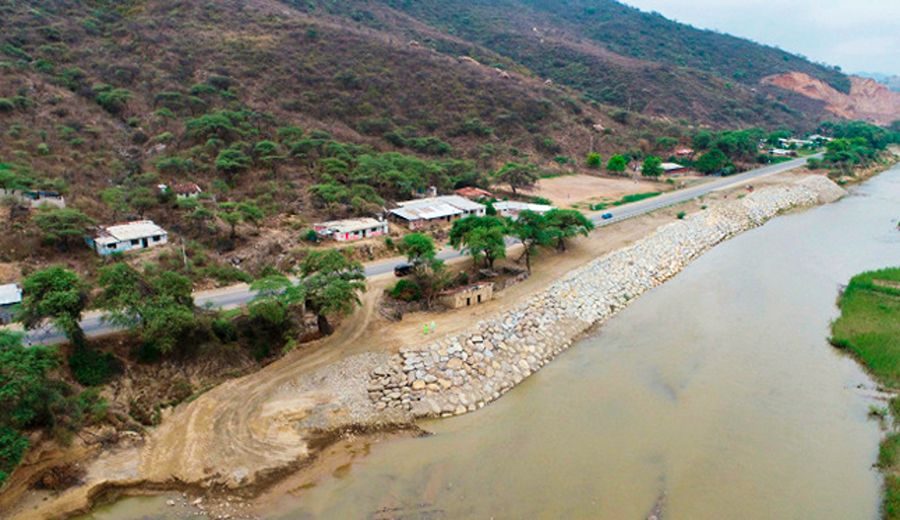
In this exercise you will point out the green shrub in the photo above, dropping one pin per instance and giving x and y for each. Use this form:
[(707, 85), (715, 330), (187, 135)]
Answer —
[(6, 105), (93, 368), (407, 291), (681, 215), (594, 160), (224, 330)]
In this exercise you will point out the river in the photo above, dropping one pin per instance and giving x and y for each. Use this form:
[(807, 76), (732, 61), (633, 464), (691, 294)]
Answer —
[(715, 395)]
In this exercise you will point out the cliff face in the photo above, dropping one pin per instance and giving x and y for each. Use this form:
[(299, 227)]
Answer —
[(868, 100)]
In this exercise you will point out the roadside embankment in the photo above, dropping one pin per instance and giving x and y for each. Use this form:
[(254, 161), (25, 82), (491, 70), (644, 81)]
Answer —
[(463, 372)]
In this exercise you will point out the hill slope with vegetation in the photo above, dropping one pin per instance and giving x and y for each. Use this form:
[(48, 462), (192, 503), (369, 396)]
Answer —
[(289, 111)]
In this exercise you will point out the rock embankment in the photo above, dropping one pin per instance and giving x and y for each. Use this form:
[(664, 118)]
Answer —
[(463, 372)]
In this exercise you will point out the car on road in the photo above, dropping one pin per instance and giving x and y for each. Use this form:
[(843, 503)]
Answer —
[(402, 270), (606, 216)]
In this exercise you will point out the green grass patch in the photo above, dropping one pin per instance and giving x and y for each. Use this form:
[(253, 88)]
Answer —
[(627, 199), (869, 325), (869, 328)]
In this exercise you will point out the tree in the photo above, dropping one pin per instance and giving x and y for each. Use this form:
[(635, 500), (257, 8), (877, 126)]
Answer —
[(157, 304), (419, 248), (711, 162), (57, 294), (113, 100), (652, 167), (566, 223), (531, 229), (276, 296), (332, 283), (200, 217), (30, 398), (481, 237), (61, 225), (232, 162), (617, 163), (518, 175), (594, 160), (702, 140)]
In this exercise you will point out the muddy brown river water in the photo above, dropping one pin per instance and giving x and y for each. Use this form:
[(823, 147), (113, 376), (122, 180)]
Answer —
[(713, 396)]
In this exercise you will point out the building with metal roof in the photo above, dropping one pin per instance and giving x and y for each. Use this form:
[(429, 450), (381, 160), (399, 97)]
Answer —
[(139, 234), (420, 213)]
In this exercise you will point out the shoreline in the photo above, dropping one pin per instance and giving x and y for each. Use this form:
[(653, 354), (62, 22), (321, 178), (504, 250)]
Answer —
[(461, 373), (580, 320)]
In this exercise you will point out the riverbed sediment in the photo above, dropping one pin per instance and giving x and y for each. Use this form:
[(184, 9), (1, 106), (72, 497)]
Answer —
[(463, 372)]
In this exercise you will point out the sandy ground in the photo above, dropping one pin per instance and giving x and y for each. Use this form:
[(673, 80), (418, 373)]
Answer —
[(248, 431), (566, 190)]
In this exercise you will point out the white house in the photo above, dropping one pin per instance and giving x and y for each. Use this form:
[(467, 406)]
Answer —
[(511, 209), (781, 152), (420, 213), (10, 295), (140, 234), (351, 229)]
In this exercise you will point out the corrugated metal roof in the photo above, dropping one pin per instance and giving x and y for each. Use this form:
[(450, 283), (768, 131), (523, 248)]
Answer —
[(10, 294), (130, 231), (435, 207)]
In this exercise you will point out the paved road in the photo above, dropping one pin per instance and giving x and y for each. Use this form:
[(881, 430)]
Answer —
[(240, 294)]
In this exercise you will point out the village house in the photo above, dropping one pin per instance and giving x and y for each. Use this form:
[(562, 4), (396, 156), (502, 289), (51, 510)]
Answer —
[(684, 152), (140, 234), (36, 199), (351, 229), (794, 143), (671, 168), (435, 211), (184, 190), (781, 152), (473, 193), (187, 190), (10, 296), (511, 208), (467, 296)]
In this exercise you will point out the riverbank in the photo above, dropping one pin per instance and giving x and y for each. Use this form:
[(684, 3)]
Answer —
[(463, 372), (245, 434), (869, 328)]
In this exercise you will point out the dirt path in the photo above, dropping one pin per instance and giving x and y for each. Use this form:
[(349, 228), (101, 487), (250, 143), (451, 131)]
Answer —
[(247, 430)]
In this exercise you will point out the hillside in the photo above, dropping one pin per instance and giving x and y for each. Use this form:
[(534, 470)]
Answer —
[(867, 100), (308, 109)]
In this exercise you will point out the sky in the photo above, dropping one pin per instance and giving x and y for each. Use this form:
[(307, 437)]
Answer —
[(857, 35)]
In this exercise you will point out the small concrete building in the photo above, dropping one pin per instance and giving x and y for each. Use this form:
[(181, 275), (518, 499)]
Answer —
[(10, 296), (140, 234), (351, 229), (435, 211), (468, 295), (511, 208), (36, 199), (671, 168)]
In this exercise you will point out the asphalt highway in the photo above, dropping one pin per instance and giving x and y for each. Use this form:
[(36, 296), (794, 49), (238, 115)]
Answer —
[(241, 294)]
